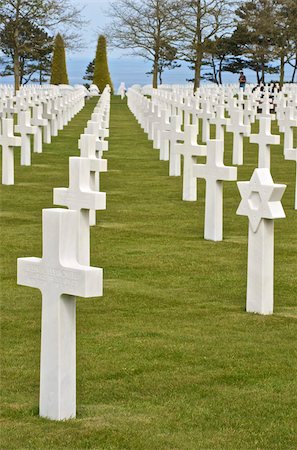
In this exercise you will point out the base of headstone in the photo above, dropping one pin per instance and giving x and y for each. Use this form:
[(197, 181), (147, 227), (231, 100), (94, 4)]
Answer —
[(260, 269)]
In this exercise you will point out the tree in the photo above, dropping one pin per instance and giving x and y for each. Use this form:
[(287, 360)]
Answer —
[(59, 70), (254, 34), (199, 22), (45, 14), (285, 35), (167, 60), (101, 73), (292, 20), (35, 55), (144, 26), (89, 74), (220, 57)]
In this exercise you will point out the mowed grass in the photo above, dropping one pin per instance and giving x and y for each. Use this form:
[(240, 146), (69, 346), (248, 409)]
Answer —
[(167, 358)]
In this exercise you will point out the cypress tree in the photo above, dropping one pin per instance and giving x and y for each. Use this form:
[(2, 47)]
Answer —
[(59, 70), (101, 72)]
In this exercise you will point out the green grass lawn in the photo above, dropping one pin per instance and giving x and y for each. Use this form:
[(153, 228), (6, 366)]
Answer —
[(168, 358)]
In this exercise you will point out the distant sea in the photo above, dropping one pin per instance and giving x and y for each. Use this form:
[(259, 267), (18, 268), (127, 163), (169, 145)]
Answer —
[(133, 70)]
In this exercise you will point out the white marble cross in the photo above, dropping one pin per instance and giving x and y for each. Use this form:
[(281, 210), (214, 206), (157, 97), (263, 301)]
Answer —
[(38, 121), (289, 123), (88, 149), (80, 197), (101, 134), (60, 278), (175, 135), (220, 121), (190, 150), (264, 139), (25, 129), (162, 125), (102, 123), (249, 112), (158, 126), (239, 129), (10, 109), (164, 137), (214, 172), (266, 106), (261, 203), (8, 142), (206, 116), (291, 154), (47, 114)]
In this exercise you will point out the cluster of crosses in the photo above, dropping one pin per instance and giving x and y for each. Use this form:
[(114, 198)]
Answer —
[(40, 114), (171, 116), (171, 120), (64, 271)]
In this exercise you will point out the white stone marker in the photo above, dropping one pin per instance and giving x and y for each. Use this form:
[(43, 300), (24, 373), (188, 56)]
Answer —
[(264, 139), (214, 172), (25, 129), (289, 123), (206, 116), (176, 135), (38, 121), (291, 154), (220, 121), (164, 137), (239, 129), (88, 149), (80, 197), (190, 150), (60, 278), (46, 114), (8, 142), (261, 203)]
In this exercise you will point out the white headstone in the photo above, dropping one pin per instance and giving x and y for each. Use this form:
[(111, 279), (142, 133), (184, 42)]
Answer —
[(264, 139), (38, 121), (8, 142), (88, 149), (239, 129), (220, 121), (214, 172), (289, 122), (291, 154), (261, 203), (60, 278), (175, 135), (80, 197), (190, 150), (26, 130)]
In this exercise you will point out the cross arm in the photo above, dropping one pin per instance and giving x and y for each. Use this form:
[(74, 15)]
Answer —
[(80, 200)]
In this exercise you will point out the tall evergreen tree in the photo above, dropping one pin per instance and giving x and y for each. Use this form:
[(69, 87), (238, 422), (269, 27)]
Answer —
[(101, 71), (59, 70), (89, 75)]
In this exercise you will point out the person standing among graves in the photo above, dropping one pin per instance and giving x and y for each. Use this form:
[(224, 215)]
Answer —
[(242, 80)]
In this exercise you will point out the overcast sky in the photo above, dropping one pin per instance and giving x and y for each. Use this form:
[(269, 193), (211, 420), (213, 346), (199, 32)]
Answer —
[(96, 13), (122, 66)]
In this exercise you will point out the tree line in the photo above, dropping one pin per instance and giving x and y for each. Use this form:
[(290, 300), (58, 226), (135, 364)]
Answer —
[(27, 30), (211, 36)]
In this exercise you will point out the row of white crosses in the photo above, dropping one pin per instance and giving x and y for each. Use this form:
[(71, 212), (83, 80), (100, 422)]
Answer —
[(162, 118), (64, 272), (167, 110), (40, 113)]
